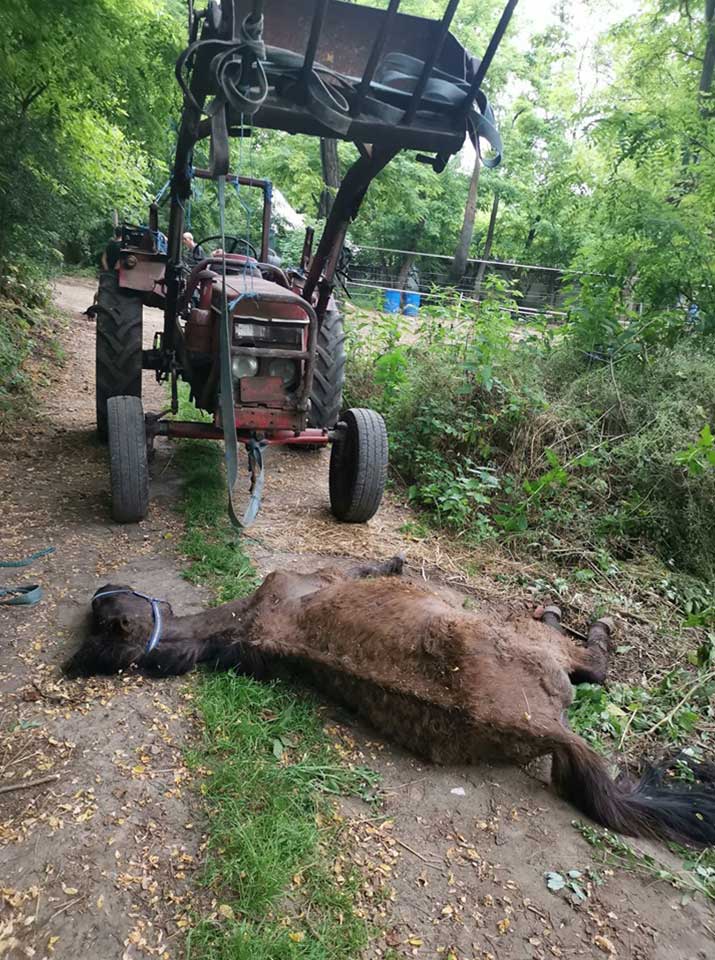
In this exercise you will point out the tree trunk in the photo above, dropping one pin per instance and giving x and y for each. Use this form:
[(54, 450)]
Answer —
[(706, 75), (404, 270), (487, 245), (531, 235), (330, 165), (459, 263)]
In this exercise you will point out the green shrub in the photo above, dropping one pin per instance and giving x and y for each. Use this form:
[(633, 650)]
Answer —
[(495, 432), (25, 329)]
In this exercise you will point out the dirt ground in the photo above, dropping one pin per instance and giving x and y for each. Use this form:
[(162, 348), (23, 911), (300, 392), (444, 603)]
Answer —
[(99, 861)]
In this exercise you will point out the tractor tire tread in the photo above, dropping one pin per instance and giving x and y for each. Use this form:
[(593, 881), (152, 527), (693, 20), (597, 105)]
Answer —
[(128, 461), (326, 396), (356, 487), (118, 369)]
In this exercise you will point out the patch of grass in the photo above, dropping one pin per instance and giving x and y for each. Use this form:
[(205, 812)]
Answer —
[(218, 559), (267, 772)]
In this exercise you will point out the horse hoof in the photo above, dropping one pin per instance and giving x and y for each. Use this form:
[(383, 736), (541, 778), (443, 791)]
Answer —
[(541, 612)]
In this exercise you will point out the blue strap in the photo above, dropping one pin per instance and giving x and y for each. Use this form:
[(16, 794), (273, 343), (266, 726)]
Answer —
[(155, 611), (29, 593), (16, 596), (28, 560), (163, 190)]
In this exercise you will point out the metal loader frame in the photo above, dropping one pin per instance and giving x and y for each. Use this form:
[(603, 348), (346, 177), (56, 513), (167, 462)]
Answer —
[(228, 29), (381, 79)]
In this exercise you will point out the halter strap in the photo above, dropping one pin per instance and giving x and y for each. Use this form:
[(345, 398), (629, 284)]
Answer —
[(155, 610)]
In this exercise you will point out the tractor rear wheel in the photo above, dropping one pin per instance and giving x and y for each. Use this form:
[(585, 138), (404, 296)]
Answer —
[(358, 466), (118, 368), (326, 398), (128, 462)]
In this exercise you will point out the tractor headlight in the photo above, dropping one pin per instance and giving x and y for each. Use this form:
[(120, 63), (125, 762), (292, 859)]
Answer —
[(244, 367), (249, 331), (287, 370)]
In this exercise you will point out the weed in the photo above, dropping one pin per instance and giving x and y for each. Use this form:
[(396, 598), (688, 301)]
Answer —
[(696, 877), (672, 705), (606, 453)]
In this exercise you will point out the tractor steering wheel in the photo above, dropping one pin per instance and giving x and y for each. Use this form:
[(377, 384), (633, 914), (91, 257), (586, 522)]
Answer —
[(231, 243)]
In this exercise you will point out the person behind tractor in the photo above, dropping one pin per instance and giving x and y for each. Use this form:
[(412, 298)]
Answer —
[(194, 250), (108, 260), (110, 255)]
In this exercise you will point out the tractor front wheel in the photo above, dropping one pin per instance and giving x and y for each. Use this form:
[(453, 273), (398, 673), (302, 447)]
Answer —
[(118, 370), (128, 462), (358, 465)]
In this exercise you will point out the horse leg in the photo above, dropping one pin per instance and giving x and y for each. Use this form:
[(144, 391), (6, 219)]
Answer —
[(551, 616), (591, 664)]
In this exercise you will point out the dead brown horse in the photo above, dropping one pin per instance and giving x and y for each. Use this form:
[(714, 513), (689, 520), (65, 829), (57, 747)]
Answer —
[(450, 685)]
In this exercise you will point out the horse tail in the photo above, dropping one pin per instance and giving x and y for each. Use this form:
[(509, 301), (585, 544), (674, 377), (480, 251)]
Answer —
[(649, 807)]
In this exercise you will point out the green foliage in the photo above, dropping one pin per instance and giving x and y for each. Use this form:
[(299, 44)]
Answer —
[(27, 330), (630, 416), (493, 431), (447, 409), (675, 705), (699, 456), (84, 118)]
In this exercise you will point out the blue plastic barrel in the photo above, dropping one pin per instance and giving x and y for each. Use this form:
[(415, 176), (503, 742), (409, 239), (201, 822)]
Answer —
[(412, 304), (391, 301)]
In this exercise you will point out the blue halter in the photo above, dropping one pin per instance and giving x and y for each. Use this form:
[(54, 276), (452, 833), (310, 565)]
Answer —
[(155, 611)]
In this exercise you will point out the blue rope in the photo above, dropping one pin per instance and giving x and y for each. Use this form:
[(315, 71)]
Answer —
[(155, 611), (163, 190)]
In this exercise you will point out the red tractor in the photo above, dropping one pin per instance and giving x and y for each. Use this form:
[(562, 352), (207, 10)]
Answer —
[(261, 347)]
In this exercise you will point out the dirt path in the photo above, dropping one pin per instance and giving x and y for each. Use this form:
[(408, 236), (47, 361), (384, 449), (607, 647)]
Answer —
[(98, 863), (94, 863)]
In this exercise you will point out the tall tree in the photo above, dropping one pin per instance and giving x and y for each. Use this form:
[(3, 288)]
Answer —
[(459, 261), (330, 167), (706, 74)]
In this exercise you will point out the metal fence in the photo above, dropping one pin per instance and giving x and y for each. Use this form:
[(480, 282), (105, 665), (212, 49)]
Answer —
[(373, 271)]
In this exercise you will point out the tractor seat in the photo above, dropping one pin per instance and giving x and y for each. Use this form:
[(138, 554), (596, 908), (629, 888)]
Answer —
[(239, 263)]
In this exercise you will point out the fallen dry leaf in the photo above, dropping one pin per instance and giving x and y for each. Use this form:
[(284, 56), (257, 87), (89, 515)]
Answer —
[(604, 944)]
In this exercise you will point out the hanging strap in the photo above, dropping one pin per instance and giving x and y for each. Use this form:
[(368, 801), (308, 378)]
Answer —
[(244, 70), (228, 420)]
